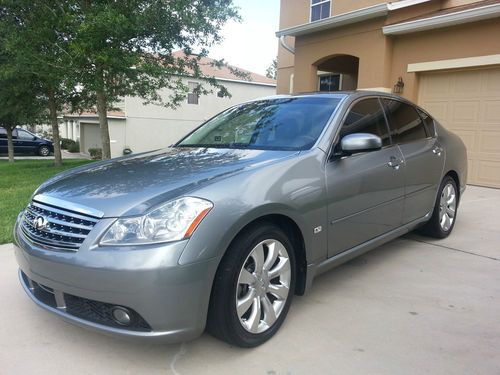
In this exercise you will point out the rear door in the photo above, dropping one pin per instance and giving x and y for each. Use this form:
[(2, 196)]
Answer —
[(423, 155), (365, 191)]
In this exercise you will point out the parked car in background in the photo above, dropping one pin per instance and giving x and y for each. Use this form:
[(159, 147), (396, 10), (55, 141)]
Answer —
[(26, 142), (223, 228)]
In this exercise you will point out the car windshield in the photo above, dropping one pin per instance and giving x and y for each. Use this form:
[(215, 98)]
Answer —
[(271, 124)]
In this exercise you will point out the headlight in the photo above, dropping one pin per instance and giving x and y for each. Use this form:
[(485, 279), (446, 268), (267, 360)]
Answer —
[(173, 221)]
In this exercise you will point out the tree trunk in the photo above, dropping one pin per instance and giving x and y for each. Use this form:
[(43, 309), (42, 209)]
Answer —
[(102, 112), (10, 144), (55, 129)]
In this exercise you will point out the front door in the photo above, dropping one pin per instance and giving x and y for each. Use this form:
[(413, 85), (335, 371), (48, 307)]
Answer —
[(366, 190)]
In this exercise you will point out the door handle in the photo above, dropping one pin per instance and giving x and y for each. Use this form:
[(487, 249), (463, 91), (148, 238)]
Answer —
[(437, 151), (394, 163)]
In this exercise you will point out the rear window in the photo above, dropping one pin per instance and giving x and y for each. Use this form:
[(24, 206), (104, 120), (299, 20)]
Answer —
[(428, 123), (405, 123)]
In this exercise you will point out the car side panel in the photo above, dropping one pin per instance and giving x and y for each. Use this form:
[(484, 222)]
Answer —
[(294, 188)]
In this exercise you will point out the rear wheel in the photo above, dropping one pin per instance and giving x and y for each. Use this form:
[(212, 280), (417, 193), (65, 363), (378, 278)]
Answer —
[(44, 151), (253, 288), (445, 210)]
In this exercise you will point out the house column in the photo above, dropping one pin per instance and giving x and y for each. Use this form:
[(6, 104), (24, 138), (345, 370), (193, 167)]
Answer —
[(70, 134)]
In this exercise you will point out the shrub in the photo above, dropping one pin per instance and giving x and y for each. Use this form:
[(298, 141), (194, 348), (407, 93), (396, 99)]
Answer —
[(66, 143), (74, 147), (95, 153)]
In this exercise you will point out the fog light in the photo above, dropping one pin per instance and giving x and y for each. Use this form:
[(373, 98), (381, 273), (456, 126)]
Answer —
[(121, 315)]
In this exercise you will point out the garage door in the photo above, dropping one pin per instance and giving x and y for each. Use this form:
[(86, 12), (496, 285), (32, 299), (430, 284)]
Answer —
[(468, 103), (91, 137)]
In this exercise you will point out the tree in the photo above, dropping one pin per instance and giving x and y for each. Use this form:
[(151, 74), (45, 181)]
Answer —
[(36, 35), (19, 103), (272, 70), (125, 48)]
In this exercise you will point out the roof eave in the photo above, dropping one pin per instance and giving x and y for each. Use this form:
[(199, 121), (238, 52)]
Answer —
[(359, 15), (445, 20)]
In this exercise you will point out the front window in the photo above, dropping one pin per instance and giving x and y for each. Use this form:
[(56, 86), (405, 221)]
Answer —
[(320, 9), (274, 124)]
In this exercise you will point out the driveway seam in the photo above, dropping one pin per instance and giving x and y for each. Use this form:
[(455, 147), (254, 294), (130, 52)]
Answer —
[(454, 249)]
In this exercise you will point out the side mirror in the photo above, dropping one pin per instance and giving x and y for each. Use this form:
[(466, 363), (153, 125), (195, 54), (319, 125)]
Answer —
[(360, 142)]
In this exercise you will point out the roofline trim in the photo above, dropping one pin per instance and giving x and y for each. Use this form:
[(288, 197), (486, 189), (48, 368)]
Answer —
[(355, 16), (465, 62), (404, 4), (444, 20)]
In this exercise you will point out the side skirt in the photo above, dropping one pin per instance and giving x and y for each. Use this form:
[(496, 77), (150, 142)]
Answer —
[(316, 269)]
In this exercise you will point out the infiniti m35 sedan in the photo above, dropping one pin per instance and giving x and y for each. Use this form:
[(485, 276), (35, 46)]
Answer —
[(221, 230)]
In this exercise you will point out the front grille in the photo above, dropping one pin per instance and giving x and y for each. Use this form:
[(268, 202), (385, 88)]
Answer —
[(66, 230)]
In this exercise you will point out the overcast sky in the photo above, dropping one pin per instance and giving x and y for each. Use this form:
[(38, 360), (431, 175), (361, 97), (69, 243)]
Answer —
[(251, 44)]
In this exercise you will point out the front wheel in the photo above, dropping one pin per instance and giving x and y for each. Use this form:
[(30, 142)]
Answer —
[(253, 287), (445, 210), (44, 151)]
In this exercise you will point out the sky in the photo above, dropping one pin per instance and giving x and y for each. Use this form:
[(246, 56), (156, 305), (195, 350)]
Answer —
[(251, 44)]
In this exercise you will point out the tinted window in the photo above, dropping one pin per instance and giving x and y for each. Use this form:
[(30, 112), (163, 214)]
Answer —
[(428, 123), (21, 134), (366, 116), (3, 133), (275, 124), (406, 125)]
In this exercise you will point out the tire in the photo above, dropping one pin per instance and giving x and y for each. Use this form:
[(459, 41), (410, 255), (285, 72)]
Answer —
[(445, 210), (257, 292), (44, 151)]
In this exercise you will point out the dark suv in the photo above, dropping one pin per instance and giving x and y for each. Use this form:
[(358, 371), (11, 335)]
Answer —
[(26, 143)]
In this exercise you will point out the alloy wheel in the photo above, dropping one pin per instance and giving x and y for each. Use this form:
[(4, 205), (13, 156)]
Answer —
[(263, 286), (447, 207)]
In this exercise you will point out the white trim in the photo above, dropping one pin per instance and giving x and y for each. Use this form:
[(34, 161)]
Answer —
[(319, 3), (247, 82), (443, 20), (380, 89), (358, 15), (466, 62), (405, 4)]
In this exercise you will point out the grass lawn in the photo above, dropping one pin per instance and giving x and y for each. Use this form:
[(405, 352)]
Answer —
[(18, 181)]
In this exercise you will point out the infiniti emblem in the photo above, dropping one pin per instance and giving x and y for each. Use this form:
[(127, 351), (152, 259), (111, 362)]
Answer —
[(40, 222)]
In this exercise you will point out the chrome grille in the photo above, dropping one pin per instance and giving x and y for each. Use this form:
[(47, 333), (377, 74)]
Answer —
[(65, 230)]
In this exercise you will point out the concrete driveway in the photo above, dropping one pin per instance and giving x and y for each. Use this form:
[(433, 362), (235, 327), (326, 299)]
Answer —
[(412, 306), (65, 155)]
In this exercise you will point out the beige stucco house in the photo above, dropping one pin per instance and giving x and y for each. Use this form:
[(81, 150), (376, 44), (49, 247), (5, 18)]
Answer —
[(143, 127), (442, 54)]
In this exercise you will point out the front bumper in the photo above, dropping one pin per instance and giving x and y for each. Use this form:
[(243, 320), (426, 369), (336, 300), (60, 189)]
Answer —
[(169, 301)]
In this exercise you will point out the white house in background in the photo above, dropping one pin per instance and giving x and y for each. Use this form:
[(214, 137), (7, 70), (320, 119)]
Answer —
[(147, 127)]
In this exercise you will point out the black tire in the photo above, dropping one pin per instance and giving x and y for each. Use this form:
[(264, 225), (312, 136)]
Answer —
[(44, 151), (223, 321), (433, 227)]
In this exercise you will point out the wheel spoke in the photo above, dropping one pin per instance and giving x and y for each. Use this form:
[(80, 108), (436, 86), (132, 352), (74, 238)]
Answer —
[(269, 313), (450, 211), (282, 267), (254, 318), (244, 303), (272, 254), (246, 277), (279, 290), (258, 257)]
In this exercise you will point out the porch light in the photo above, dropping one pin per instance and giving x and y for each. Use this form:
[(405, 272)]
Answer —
[(399, 86)]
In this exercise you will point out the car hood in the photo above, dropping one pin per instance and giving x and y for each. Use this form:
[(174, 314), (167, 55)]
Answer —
[(133, 184)]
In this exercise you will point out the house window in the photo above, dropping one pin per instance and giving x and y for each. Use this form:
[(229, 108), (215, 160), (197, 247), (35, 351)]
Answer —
[(320, 9), (330, 82), (192, 95)]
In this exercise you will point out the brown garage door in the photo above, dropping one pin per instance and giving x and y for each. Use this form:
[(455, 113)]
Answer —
[(468, 103)]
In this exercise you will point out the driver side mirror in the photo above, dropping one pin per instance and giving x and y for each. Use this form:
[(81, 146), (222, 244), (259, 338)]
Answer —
[(360, 142)]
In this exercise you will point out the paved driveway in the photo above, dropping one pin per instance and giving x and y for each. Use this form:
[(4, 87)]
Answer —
[(65, 155), (412, 306)]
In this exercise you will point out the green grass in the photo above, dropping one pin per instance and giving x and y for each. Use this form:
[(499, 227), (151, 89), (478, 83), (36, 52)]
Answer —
[(18, 181)]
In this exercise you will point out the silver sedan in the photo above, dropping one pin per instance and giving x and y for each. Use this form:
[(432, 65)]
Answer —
[(221, 230)]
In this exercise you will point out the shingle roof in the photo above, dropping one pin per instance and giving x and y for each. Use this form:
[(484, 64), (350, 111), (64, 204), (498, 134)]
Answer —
[(207, 67)]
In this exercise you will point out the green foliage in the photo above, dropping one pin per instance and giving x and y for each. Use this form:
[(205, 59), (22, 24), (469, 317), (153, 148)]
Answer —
[(66, 143), (95, 153), (74, 147), (18, 182), (272, 70)]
